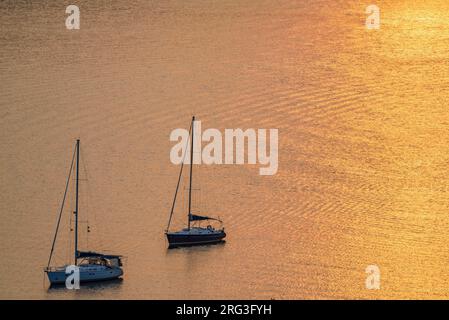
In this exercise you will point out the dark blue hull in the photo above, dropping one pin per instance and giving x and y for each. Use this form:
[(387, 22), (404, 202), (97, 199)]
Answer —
[(177, 240)]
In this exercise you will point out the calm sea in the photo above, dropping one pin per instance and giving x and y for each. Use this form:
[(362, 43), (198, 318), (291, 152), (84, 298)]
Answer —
[(363, 145)]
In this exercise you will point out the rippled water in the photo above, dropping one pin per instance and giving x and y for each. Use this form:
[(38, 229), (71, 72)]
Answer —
[(363, 130)]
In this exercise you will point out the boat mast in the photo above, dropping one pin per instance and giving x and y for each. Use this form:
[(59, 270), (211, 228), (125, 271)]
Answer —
[(179, 181), (191, 168), (76, 199), (62, 208)]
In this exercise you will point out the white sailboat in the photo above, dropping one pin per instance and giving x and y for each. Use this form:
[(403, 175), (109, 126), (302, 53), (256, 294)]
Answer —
[(93, 266)]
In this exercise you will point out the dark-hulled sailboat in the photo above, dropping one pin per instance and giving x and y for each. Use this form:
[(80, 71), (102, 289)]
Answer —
[(194, 234), (93, 266)]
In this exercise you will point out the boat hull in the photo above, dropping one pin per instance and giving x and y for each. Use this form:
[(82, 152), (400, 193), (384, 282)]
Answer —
[(87, 274), (185, 239)]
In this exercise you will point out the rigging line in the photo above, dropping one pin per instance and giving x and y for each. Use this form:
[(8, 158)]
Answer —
[(72, 212), (83, 162), (62, 208), (96, 238), (69, 251), (179, 179)]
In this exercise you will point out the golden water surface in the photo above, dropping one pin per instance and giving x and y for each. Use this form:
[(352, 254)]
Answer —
[(363, 155)]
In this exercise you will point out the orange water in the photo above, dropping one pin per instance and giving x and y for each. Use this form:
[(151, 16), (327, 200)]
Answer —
[(363, 130)]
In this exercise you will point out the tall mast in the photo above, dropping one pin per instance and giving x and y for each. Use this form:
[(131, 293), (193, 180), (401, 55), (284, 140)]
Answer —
[(179, 180), (62, 207), (76, 199), (191, 168)]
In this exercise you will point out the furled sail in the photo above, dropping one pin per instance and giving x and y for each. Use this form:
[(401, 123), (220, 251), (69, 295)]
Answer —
[(87, 254), (194, 217)]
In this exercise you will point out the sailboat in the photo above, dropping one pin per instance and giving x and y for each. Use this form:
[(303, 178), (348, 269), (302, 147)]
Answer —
[(93, 266), (194, 234)]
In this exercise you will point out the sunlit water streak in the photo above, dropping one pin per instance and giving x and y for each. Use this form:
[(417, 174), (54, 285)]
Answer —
[(363, 127)]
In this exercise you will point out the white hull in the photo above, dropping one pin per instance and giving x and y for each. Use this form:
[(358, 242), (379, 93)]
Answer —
[(88, 273)]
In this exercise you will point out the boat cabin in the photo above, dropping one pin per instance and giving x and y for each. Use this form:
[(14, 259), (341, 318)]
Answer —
[(93, 258)]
